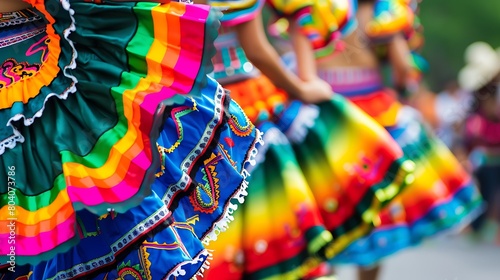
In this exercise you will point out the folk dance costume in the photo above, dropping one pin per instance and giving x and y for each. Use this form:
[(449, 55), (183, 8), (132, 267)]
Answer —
[(442, 196), (127, 156), (307, 200)]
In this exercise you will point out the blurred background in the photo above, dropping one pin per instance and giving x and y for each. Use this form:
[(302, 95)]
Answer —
[(446, 258), (449, 27)]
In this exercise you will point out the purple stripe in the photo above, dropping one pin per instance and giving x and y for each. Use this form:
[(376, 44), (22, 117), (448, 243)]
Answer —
[(352, 81)]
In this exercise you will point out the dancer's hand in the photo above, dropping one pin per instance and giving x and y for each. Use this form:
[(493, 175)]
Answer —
[(315, 91)]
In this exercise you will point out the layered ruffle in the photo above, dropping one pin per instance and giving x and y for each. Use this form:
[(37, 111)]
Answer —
[(278, 233), (86, 121), (441, 198), (352, 164), (201, 182), (259, 107)]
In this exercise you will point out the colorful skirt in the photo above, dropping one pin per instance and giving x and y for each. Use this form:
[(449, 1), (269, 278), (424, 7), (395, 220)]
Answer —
[(299, 195), (352, 164), (86, 96), (278, 233), (259, 98), (441, 195), (163, 237)]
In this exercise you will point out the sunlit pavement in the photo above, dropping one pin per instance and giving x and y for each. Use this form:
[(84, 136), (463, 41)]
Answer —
[(445, 258)]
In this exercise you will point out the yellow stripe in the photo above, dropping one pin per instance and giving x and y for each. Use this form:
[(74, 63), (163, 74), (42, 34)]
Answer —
[(153, 77), (233, 5), (46, 213)]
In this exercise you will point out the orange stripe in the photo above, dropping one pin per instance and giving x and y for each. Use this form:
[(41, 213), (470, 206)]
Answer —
[(130, 103), (31, 230), (381, 105), (30, 218), (256, 95), (46, 219), (116, 176), (172, 54), (158, 51), (20, 91)]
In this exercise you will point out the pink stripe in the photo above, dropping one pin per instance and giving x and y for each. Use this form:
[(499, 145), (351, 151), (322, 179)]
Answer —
[(187, 66), (197, 11), (190, 75), (126, 189), (153, 100), (94, 195), (358, 78), (32, 246)]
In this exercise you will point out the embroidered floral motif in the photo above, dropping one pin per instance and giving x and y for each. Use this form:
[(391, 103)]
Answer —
[(205, 197), (40, 46), (126, 271), (226, 155), (177, 244), (24, 277), (12, 71), (242, 130), (176, 115)]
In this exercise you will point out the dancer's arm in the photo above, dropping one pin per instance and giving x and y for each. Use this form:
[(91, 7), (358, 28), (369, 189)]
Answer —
[(260, 52), (399, 57), (306, 64)]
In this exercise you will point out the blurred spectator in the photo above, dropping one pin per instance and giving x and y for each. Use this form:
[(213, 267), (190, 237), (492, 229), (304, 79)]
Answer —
[(481, 76)]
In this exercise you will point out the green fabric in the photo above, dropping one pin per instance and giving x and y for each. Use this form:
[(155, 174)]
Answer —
[(92, 117)]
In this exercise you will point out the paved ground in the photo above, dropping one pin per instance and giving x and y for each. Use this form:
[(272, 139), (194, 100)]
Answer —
[(446, 258)]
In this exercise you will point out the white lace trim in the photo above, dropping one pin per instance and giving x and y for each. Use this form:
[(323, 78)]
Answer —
[(271, 136), (12, 141), (227, 217), (179, 271)]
